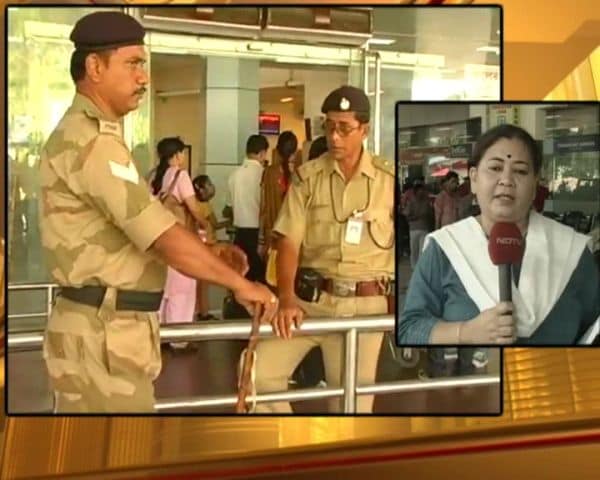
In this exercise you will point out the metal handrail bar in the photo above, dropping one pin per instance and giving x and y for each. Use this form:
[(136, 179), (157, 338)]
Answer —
[(316, 393), (49, 287), (231, 330), (31, 286), (240, 329)]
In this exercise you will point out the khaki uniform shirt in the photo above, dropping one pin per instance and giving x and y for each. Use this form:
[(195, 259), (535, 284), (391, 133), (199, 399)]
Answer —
[(98, 216), (315, 212)]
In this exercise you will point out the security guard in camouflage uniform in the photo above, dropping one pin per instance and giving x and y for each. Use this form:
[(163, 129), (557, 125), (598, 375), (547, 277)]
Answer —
[(107, 240), (335, 252)]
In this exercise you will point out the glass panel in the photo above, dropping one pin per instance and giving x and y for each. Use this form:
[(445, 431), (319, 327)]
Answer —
[(434, 54), (38, 74), (572, 158), (39, 92)]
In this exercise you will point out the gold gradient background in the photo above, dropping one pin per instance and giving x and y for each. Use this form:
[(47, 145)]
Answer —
[(551, 51)]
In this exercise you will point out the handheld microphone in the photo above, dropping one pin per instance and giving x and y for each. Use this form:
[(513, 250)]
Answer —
[(506, 247)]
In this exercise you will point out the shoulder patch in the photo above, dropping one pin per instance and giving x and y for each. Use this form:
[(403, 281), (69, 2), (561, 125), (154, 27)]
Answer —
[(111, 128), (384, 165), (312, 167)]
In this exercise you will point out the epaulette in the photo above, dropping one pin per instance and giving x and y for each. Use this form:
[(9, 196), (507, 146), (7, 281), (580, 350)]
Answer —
[(311, 168), (384, 165), (105, 126)]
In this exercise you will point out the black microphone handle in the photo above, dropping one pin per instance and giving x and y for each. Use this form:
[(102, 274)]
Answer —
[(505, 281)]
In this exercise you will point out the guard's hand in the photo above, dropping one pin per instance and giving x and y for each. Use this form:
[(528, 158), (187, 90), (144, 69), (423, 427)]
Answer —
[(495, 325), (289, 314), (256, 295), (262, 250), (233, 256)]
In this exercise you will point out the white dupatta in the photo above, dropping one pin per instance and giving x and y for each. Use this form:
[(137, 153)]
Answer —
[(552, 252)]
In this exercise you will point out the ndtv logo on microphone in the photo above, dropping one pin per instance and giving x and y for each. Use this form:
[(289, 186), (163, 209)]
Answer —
[(509, 241)]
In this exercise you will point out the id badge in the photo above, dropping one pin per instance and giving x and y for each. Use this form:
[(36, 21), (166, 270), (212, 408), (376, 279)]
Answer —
[(354, 230)]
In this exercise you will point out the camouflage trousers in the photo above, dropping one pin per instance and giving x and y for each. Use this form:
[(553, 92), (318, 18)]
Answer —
[(276, 358), (100, 360)]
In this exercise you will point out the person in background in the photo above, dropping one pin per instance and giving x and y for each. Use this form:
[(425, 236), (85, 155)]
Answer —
[(467, 202), (447, 202), (205, 191), (244, 193), (317, 148), (274, 185), (407, 193), (419, 214), (541, 195), (171, 179)]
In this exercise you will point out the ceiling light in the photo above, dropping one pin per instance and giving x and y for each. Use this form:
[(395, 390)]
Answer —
[(489, 48), (574, 129), (286, 99), (381, 41)]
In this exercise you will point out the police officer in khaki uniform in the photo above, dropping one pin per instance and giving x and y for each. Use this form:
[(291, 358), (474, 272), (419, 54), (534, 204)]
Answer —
[(335, 252), (107, 240)]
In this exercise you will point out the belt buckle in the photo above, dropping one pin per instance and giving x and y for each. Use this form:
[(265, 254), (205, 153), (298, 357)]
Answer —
[(343, 288)]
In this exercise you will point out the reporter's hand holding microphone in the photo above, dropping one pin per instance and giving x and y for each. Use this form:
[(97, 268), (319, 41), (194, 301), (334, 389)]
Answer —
[(497, 325), (492, 326)]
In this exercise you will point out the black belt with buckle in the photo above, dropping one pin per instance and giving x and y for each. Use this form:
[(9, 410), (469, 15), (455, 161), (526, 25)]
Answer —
[(126, 299), (309, 285)]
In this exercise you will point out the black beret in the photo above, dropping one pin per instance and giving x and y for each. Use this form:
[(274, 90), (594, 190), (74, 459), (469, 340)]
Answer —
[(105, 30), (347, 99)]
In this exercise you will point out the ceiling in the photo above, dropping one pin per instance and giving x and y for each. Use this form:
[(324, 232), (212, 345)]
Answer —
[(455, 33)]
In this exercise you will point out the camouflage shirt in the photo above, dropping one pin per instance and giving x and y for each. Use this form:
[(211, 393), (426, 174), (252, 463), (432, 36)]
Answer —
[(98, 218)]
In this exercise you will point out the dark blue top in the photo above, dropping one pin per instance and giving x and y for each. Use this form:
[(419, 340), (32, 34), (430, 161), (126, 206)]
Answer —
[(436, 293)]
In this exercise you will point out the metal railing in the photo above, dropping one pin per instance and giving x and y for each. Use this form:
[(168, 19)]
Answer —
[(240, 330)]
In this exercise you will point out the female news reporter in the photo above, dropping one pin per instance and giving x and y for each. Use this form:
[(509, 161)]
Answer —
[(453, 294)]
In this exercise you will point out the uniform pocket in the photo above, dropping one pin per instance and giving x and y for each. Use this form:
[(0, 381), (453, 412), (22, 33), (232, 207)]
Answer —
[(132, 346), (321, 228), (381, 227), (63, 354)]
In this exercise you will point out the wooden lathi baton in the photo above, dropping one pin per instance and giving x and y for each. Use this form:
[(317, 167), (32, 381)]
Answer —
[(246, 381)]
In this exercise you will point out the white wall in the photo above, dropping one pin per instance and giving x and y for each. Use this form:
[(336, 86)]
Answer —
[(180, 115), (317, 85)]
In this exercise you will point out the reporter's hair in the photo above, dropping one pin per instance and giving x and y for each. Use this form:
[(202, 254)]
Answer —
[(509, 131)]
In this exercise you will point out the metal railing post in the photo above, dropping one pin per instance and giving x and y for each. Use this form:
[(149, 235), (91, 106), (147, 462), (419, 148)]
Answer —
[(350, 362), (49, 299)]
